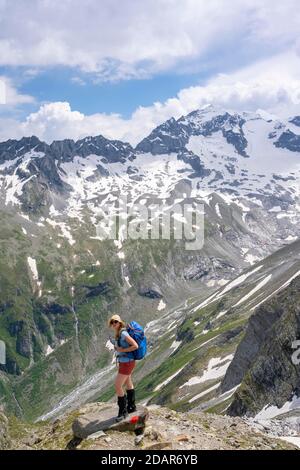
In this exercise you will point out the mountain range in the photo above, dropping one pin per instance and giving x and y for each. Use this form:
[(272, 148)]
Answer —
[(214, 317)]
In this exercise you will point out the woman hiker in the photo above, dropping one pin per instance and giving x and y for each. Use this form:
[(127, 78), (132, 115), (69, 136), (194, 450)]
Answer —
[(123, 344)]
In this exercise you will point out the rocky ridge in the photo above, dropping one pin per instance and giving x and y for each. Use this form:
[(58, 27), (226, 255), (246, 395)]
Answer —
[(165, 430)]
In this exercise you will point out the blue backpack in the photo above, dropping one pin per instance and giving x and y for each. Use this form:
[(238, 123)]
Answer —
[(136, 332)]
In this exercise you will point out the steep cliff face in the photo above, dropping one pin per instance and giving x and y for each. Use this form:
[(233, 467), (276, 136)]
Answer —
[(263, 361), (257, 333)]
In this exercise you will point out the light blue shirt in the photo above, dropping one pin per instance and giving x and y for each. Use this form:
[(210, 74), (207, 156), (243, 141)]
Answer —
[(123, 343)]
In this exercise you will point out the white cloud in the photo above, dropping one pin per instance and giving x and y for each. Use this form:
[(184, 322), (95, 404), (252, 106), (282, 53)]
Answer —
[(272, 85), (2, 92), (134, 38), (131, 38), (267, 84), (11, 95)]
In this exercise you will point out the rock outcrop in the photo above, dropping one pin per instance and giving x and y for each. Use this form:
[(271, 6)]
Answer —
[(263, 361), (104, 419)]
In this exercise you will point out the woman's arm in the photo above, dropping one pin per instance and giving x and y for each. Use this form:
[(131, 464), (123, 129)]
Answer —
[(133, 345)]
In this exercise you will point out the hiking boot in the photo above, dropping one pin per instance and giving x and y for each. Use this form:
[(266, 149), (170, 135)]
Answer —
[(122, 403), (131, 401)]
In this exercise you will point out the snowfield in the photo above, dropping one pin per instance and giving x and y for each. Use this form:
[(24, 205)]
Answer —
[(216, 368)]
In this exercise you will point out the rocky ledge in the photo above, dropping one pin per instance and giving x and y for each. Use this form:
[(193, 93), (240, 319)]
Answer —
[(153, 428), (104, 419)]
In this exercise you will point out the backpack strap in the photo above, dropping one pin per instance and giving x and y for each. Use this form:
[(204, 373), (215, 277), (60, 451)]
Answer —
[(121, 331)]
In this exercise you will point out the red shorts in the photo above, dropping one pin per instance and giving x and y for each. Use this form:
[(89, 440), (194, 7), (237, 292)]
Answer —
[(126, 368)]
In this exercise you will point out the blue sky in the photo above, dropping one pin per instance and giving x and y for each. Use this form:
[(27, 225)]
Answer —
[(122, 96), (75, 68)]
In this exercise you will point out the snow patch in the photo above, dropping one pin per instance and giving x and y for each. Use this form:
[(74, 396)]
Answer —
[(221, 314), (65, 231), (49, 350), (205, 392), (277, 290), (275, 209), (251, 259), (215, 369), (165, 382), (175, 345), (35, 274), (217, 207), (33, 268), (258, 287), (52, 211), (292, 439), (290, 238), (222, 282), (161, 305), (231, 285), (127, 281), (271, 411)]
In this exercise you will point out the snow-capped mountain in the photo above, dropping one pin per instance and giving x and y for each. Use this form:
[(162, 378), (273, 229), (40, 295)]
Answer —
[(213, 150), (59, 282)]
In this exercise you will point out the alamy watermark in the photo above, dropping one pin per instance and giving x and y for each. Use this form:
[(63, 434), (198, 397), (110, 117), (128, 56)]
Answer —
[(152, 219), (2, 92), (2, 353), (296, 354)]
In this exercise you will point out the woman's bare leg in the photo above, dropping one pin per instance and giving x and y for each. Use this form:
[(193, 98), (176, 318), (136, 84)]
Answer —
[(128, 383), (119, 382)]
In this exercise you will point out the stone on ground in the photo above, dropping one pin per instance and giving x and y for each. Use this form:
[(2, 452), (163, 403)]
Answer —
[(104, 419)]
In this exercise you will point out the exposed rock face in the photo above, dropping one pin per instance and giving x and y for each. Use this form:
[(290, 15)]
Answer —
[(172, 136), (65, 150), (296, 121), (257, 333), (169, 137), (12, 149), (150, 292), (263, 361), (104, 419), (289, 140), (100, 289), (231, 127), (195, 162), (207, 267), (23, 344)]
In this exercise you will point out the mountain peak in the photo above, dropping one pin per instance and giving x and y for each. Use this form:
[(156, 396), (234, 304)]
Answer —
[(295, 120), (12, 148), (172, 136)]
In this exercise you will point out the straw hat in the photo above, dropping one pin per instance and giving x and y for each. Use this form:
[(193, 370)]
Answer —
[(115, 318)]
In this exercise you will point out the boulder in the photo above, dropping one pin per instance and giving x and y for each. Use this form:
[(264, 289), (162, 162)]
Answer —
[(104, 419), (151, 293)]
